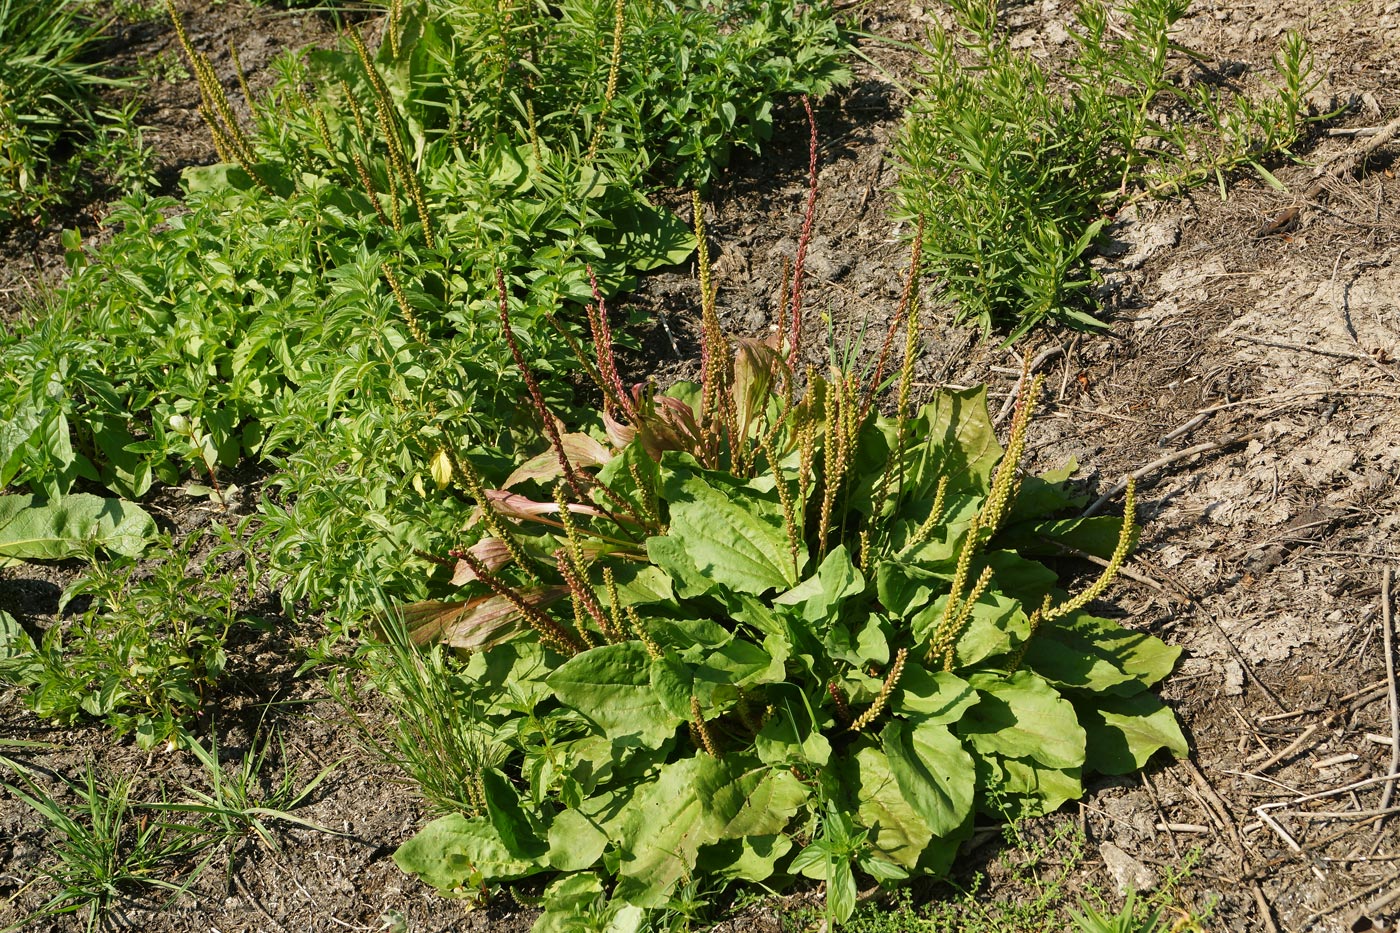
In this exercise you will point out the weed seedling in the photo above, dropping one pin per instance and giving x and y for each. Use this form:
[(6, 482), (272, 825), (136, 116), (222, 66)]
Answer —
[(107, 848)]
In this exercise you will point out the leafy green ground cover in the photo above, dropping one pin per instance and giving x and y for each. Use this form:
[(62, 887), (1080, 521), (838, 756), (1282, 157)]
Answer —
[(331, 280), (57, 137), (1014, 169)]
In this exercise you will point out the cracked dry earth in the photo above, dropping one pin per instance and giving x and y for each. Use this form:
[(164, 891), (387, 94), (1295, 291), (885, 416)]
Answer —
[(1251, 377)]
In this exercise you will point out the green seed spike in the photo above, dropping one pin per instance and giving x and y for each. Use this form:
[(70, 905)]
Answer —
[(1115, 562), (634, 621), (614, 69), (891, 681), (789, 507), (702, 728), (1047, 613)]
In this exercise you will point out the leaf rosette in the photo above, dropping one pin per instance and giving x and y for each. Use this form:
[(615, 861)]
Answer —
[(757, 636)]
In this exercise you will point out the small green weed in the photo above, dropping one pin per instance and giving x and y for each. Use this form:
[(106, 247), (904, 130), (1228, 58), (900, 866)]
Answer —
[(142, 657), (1013, 171), (239, 799), (432, 734), (107, 848), (55, 136)]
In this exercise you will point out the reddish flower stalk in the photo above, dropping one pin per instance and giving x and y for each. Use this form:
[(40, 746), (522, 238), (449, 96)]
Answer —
[(583, 593), (551, 429), (806, 237), (613, 391), (547, 628), (905, 300), (843, 709), (536, 396)]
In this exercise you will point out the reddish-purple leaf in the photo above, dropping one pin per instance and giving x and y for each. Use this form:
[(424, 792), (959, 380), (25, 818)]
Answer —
[(493, 554), (583, 452), (473, 624)]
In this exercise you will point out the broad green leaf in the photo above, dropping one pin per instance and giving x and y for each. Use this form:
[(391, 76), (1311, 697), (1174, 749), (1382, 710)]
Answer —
[(35, 530), (934, 772), (841, 891), (1022, 716), (755, 802), (566, 900), (1096, 655), (611, 686), (936, 698), (898, 832), (512, 824), (577, 902), (1123, 732), (695, 802), (905, 588), (650, 237), (1026, 580), (510, 675), (1097, 535), (751, 858), (692, 639), (575, 842), (741, 663), (995, 625), (1026, 788), (676, 682), (638, 584), (663, 829), (734, 537), (14, 640), (455, 852), (1044, 495), (673, 557), (820, 596), (632, 474), (960, 444)]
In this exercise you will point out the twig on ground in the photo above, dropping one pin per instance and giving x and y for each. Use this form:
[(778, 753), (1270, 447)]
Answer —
[(1295, 746), (1243, 661), (1069, 361), (1348, 162), (1217, 805), (1366, 694), (1168, 460), (1388, 639), (1125, 570), (1265, 910), (1356, 131), (1303, 348), (1291, 714), (1093, 413), (1346, 814), (1167, 827), (1385, 900), (1184, 429), (1334, 792), (252, 899), (1289, 841)]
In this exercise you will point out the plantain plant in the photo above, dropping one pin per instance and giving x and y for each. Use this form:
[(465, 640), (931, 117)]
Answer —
[(745, 631)]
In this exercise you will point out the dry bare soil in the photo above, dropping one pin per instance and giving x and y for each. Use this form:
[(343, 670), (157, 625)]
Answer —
[(1251, 377)]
